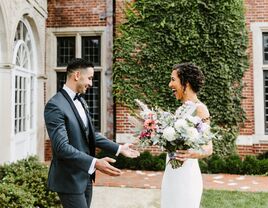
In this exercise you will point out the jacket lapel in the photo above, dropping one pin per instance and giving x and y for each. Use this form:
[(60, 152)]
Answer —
[(81, 123)]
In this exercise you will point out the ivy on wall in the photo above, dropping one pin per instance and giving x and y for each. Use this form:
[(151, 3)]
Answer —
[(158, 34)]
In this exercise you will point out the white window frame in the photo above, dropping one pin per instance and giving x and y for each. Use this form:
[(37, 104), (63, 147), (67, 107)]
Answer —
[(26, 141), (257, 29)]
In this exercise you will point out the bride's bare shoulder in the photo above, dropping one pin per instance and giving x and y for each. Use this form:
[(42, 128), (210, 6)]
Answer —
[(202, 111)]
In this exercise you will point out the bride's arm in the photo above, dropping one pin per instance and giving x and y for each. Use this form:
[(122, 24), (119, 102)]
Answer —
[(183, 155)]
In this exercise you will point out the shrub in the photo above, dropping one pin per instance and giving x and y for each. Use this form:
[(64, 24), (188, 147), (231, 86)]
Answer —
[(30, 175), (216, 164), (263, 156), (263, 166), (15, 197), (250, 165), (203, 164), (233, 164)]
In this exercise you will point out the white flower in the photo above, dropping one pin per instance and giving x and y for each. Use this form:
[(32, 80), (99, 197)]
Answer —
[(192, 134), (169, 133), (179, 124), (193, 119)]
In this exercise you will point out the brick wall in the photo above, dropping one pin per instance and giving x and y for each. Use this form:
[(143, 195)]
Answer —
[(76, 13)]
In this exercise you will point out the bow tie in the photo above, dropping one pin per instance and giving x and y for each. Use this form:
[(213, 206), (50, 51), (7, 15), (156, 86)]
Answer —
[(77, 96)]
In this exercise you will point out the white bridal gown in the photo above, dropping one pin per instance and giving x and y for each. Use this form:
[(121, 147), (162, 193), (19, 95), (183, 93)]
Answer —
[(182, 187)]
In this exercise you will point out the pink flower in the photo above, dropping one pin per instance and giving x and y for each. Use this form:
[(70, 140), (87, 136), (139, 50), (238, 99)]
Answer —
[(145, 134), (149, 124)]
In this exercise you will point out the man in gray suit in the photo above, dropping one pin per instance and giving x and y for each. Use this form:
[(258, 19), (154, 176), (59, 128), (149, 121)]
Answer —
[(73, 140)]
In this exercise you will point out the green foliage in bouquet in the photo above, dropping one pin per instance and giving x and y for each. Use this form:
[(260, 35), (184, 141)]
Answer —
[(29, 177), (157, 34)]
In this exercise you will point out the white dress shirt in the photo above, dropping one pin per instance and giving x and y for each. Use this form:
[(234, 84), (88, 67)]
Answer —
[(83, 116)]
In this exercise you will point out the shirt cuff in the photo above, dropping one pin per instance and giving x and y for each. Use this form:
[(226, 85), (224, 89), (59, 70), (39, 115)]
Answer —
[(118, 151), (92, 167)]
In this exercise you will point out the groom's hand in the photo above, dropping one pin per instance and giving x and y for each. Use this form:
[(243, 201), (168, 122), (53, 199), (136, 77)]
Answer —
[(103, 165), (127, 151)]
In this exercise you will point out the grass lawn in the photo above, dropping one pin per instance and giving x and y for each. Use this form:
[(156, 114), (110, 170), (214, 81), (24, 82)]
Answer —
[(234, 199)]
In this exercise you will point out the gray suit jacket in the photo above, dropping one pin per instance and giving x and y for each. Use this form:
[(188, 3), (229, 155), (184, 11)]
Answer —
[(72, 150)]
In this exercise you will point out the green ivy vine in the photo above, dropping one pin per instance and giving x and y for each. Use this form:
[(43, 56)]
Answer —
[(158, 34)]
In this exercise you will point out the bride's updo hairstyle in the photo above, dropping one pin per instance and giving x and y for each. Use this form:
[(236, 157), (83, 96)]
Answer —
[(189, 73)]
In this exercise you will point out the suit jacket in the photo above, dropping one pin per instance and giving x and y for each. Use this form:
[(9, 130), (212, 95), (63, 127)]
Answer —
[(72, 150)]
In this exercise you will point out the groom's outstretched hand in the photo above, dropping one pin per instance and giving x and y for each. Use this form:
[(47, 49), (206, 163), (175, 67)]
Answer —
[(103, 165), (127, 151)]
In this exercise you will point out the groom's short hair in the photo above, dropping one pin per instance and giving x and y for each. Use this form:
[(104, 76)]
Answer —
[(78, 64)]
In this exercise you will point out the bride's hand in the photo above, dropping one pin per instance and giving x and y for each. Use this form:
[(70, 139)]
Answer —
[(183, 155)]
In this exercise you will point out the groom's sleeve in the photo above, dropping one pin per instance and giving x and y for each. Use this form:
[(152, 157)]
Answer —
[(55, 124), (106, 144)]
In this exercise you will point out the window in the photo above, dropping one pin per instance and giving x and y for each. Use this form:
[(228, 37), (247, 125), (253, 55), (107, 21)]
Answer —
[(265, 48), (24, 85), (20, 104), (65, 50), (265, 90), (91, 49), (24, 80), (92, 97)]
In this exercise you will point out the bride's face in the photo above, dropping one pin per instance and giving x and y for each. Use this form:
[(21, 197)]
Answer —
[(176, 86)]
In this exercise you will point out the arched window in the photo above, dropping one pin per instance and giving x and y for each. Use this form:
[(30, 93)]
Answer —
[(24, 79)]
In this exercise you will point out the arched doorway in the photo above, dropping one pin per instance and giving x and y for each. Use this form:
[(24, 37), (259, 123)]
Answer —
[(24, 90)]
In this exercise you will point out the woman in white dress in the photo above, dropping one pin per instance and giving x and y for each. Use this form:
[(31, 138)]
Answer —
[(183, 187)]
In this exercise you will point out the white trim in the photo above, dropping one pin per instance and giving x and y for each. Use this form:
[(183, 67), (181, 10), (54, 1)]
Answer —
[(257, 29), (251, 140)]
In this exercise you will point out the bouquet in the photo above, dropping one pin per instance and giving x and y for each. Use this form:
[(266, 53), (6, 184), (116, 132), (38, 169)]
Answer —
[(171, 132)]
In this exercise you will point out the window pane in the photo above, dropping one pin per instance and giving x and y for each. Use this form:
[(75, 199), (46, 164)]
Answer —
[(91, 49), (265, 75), (92, 97), (65, 50), (265, 48)]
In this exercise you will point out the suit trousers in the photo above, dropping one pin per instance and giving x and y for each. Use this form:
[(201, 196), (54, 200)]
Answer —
[(82, 200)]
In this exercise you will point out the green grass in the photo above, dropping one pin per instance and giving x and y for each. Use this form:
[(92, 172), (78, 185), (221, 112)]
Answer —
[(234, 199)]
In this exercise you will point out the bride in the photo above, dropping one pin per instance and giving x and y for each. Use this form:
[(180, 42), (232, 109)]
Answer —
[(183, 187)]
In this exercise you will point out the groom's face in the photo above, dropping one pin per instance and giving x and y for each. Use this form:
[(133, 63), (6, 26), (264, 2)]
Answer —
[(85, 80), (175, 85)]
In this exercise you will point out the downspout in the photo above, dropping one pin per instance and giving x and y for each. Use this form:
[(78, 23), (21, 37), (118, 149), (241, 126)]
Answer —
[(114, 98)]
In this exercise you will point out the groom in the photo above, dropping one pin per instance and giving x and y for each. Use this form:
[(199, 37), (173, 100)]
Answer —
[(74, 140)]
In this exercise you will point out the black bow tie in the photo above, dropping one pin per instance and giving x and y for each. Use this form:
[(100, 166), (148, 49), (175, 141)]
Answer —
[(77, 96)]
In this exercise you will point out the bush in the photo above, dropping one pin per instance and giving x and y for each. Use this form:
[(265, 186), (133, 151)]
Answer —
[(263, 167), (15, 197), (31, 176), (233, 164), (216, 164), (263, 156), (203, 164), (146, 161), (250, 165)]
